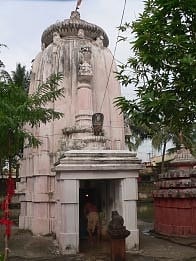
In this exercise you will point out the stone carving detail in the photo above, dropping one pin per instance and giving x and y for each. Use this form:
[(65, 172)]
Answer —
[(71, 27), (56, 41), (43, 46), (85, 68), (115, 228), (56, 38), (85, 53), (81, 33), (97, 122), (99, 41), (75, 15)]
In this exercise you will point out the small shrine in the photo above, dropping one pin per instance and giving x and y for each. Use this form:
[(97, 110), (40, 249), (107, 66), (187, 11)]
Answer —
[(78, 157), (175, 197)]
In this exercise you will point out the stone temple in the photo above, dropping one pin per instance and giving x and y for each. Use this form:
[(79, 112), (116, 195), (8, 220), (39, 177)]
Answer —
[(74, 161)]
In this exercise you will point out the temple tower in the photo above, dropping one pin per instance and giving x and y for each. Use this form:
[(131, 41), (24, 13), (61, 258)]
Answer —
[(51, 197)]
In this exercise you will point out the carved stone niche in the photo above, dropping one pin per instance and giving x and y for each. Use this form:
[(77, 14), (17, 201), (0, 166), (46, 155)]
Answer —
[(97, 123), (85, 72)]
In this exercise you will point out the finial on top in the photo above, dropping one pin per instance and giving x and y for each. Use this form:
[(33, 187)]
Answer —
[(75, 15)]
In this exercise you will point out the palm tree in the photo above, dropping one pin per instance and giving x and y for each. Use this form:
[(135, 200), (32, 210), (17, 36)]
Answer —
[(159, 136), (141, 132)]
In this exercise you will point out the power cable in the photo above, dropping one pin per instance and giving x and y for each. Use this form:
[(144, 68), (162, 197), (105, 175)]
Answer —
[(122, 16)]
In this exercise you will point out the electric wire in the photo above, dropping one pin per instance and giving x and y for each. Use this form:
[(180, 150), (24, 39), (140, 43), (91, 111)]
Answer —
[(122, 16)]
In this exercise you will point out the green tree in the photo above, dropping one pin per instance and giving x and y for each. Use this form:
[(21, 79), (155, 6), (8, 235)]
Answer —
[(162, 69), (1, 62), (158, 137), (19, 111), (20, 77)]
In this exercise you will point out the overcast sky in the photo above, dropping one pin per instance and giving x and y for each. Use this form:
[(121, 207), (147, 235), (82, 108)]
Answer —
[(22, 23)]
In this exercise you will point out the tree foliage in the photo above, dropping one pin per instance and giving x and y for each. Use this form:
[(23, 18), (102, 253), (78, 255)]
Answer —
[(162, 69), (19, 111), (20, 76)]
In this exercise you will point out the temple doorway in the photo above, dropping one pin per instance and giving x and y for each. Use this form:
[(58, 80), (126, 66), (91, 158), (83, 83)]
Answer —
[(106, 195), (91, 195)]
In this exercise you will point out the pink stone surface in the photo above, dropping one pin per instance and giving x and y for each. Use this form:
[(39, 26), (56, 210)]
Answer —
[(50, 199)]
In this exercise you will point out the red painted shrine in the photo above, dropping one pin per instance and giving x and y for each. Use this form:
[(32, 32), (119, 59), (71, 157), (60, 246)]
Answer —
[(175, 197)]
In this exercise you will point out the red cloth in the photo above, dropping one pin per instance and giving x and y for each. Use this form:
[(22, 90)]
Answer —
[(89, 207), (10, 187), (5, 206)]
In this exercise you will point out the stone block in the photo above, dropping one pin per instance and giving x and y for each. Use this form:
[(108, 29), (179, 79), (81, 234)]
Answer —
[(130, 189), (69, 243), (69, 190), (40, 226)]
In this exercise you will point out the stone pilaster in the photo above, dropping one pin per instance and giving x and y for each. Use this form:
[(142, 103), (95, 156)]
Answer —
[(129, 200), (68, 220), (84, 89)]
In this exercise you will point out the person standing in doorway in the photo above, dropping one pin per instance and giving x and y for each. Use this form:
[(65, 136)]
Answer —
[(93, 224)]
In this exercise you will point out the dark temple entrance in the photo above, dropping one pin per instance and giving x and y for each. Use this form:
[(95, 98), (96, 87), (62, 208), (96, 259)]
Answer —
[(106, 195), (87, 194)]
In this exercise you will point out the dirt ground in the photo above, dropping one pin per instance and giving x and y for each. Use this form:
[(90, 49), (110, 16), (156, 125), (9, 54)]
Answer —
[(26, 247)]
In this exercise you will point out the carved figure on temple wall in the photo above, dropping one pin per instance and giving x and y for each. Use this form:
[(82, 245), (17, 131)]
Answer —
[(56, 38), (85, 67), (81, 33), (99, 41), (85, 54), (56, 41)]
